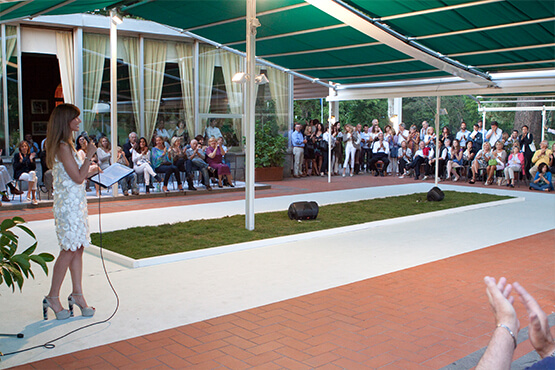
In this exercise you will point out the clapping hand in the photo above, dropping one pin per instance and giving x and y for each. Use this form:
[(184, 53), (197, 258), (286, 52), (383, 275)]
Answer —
[(501, 301), (538, 329)]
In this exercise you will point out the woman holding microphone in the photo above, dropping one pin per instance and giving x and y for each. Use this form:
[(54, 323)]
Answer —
[(69, 208)]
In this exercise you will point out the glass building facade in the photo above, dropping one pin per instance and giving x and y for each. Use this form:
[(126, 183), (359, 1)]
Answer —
[(168, 84)]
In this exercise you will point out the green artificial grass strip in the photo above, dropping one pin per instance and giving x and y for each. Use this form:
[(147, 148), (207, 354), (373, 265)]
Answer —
[(150, 241)]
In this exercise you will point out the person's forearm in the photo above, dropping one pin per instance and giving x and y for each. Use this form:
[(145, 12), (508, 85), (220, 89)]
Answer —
[(499, 353)]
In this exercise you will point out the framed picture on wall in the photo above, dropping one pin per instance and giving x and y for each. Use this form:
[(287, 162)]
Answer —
[(39, 106), (39, 128)]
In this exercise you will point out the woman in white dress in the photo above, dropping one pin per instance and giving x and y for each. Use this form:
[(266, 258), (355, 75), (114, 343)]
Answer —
[(69, 208)]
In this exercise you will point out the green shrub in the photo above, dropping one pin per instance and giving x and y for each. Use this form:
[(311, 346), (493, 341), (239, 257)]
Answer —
[(270, 147)]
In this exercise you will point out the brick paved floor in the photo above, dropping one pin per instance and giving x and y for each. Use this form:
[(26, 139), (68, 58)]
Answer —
[(424, 317)]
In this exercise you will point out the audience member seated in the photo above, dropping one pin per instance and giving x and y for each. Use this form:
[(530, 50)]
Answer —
[(503, 343), (162, 164), (24, 169), (222, 145), (128, 182), (442, 159), (420, 157), (104, 153), (380, 152), (405, 157), (468, 155), (130, 144), (540, 156), (81, 147), (456, 160), (480, 161), (197, 157), (496, 162), (542, 179), (515, 163), (214, 154), (6, 182), (141, 163), (180, 160)]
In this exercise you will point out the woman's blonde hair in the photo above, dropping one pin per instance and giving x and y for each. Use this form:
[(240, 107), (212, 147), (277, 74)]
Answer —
[(174, 140), (58, 130)]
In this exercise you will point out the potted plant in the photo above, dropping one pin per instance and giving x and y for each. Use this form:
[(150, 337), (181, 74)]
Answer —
[(269, 152), (15, 268)]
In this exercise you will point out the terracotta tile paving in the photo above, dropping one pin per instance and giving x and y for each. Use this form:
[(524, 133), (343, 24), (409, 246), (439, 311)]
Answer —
[(425, 317)]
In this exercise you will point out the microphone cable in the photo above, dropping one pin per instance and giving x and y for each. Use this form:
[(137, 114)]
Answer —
[(50, 344)]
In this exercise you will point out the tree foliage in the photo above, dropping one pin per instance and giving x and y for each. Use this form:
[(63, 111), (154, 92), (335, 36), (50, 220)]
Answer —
[(459, 108), (354, 112)]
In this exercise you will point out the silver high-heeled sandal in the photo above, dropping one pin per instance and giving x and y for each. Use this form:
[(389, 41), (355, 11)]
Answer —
[(60, 315), (85, 311)]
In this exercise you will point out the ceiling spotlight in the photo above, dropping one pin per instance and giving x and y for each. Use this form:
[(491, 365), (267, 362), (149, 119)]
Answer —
[(240, 77), (116, 17), (261, 79)]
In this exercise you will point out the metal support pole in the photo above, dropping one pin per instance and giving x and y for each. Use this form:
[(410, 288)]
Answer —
[(322, 110), (331, 122), (483, 128), (78, 70), (543, 123), (5, 91), (196, 87), (113, 91), (438, 106), (141, 123), (252, 23), (19, 83)]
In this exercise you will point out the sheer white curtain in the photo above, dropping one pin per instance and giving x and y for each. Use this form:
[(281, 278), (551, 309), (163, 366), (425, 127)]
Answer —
[(185, 63), (279, 89), (155, 66), (131, 58), (94, 54), (207, 60), (231, 64), (64, 52), (11, 41)]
